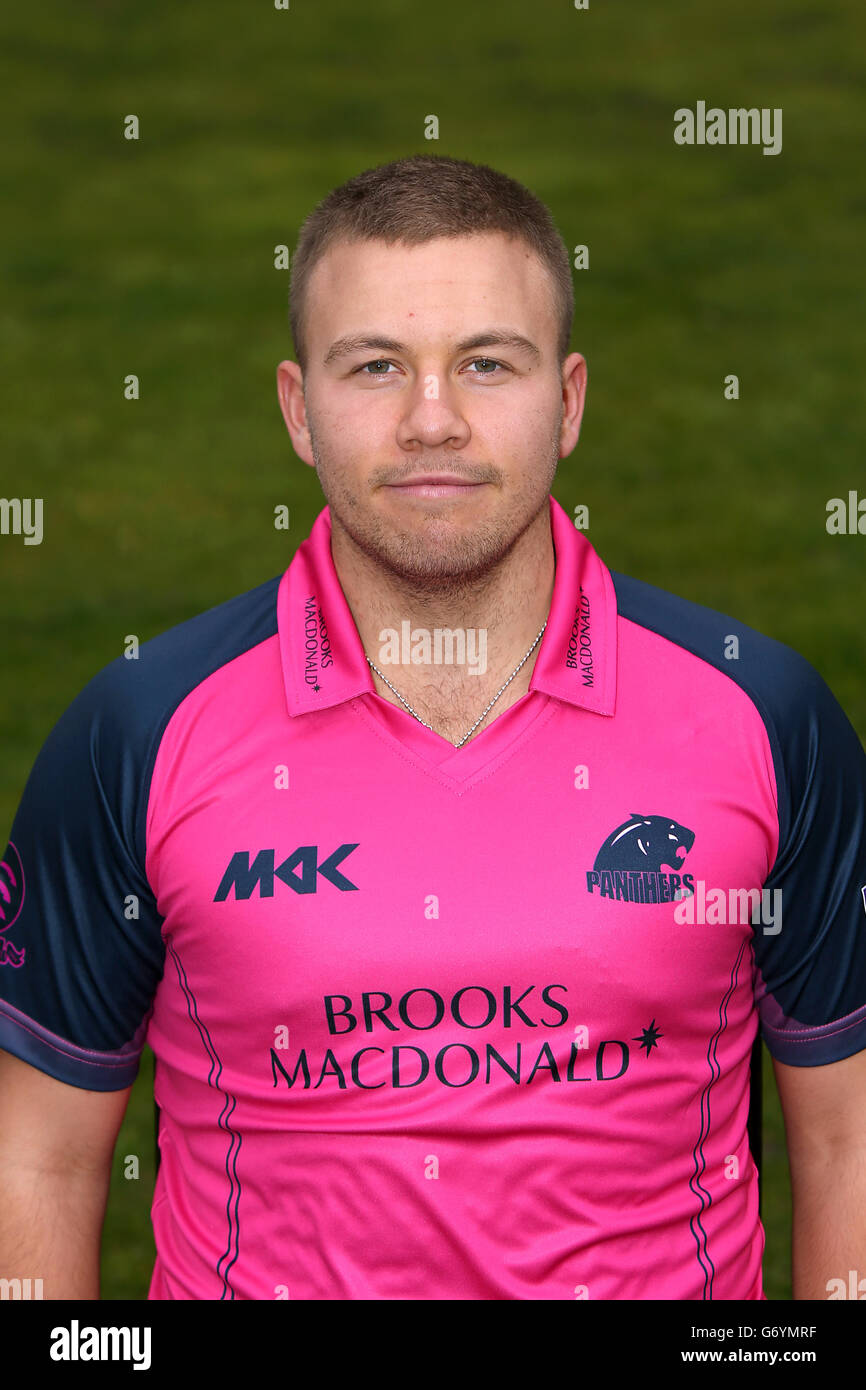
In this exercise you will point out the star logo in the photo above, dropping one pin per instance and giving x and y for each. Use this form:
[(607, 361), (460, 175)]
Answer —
[(648, 1037), (317, 688)]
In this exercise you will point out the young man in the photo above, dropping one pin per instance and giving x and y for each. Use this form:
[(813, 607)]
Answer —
[(451, 967)]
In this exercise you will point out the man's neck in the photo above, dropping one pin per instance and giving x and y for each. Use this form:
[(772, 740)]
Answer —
[(498, 617)]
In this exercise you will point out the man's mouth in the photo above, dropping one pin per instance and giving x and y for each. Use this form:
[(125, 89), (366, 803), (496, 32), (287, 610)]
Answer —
[(435, 485)]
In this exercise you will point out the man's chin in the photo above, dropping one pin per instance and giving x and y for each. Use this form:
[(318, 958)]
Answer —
[(433, 558), (437, 547)]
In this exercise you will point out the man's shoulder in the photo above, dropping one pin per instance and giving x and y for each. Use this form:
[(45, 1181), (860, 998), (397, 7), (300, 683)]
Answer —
[(136, 692), (780, 680), (217, 634)]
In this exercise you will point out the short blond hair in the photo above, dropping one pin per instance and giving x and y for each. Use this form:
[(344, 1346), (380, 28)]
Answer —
[(417, 199)]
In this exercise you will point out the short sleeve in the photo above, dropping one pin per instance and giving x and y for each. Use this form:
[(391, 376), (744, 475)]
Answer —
[(811, 963), (81, 950)]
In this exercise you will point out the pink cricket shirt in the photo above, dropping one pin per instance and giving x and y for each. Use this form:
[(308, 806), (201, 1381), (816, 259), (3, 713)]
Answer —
[(439, 1023)]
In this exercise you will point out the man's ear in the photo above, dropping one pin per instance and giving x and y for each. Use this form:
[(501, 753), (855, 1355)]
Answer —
[(290, 393), (574, 378)]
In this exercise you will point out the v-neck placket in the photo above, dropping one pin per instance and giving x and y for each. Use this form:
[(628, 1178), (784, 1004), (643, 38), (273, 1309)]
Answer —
[(324, 664)]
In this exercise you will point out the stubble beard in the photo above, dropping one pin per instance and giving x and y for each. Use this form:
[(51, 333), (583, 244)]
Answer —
[(436, 559)]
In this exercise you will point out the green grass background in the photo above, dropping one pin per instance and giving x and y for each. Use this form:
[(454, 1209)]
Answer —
[(156, 257)]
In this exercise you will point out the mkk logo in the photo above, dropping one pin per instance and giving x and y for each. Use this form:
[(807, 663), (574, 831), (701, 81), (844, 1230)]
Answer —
[(629, 864), (300, 872)]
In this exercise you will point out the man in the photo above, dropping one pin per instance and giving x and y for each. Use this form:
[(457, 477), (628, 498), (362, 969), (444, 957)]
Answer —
[(420, 867)]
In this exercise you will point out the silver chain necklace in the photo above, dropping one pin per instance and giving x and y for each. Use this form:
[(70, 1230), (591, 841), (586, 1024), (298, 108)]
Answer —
[(481, 716)]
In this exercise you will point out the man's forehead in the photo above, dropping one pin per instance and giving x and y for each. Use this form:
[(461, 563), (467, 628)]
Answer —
[(443, 259), (483, 270)]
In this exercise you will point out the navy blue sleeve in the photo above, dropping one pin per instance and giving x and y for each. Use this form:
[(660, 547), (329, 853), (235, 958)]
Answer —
[(81, 947), (81, 950), (811, 986)]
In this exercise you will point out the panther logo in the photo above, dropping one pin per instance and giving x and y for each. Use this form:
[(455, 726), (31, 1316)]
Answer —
[(645, 842), (11, 902)]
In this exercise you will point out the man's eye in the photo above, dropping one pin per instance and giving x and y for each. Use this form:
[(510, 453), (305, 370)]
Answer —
[(489, 361), (377, 362)]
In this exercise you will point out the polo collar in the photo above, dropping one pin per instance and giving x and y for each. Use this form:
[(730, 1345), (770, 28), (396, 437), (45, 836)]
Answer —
[(323, 660)]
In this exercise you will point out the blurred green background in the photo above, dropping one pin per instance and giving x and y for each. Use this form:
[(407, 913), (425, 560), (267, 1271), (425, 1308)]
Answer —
[(156, 257)]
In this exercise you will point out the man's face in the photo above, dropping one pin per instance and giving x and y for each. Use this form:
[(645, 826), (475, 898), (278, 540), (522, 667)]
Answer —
[(435, 445)]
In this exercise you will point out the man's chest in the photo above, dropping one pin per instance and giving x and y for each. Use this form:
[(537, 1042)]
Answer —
[(341, 909)]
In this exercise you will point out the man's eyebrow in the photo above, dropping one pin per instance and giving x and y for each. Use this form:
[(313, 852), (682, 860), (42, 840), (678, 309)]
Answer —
[(488, 337)]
